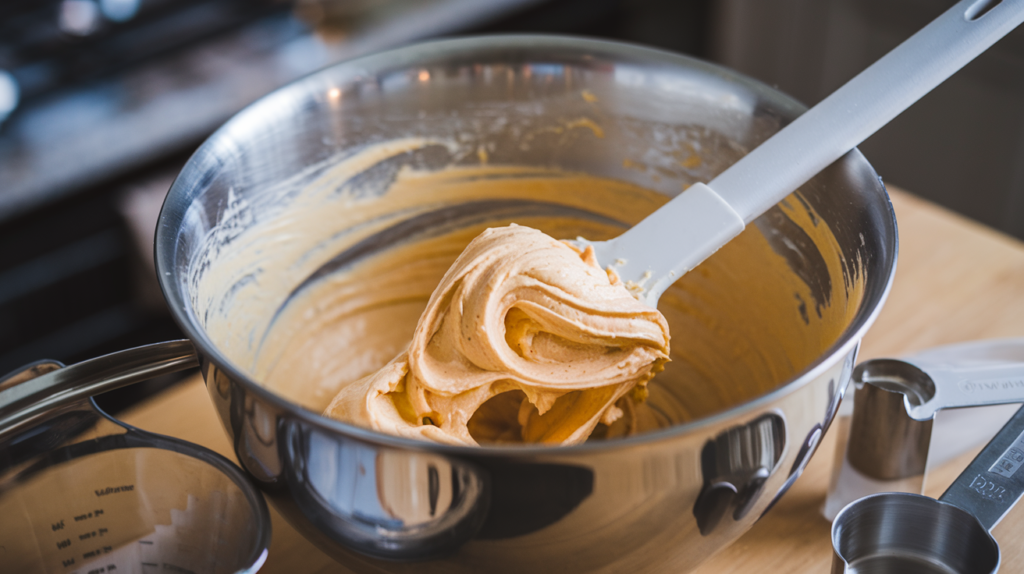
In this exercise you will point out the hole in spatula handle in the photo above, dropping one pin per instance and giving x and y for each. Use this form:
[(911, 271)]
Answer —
[(980, 8)]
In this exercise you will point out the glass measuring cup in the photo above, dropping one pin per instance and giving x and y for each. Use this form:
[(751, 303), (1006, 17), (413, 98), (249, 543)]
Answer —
[(81, 492), (909, 533)]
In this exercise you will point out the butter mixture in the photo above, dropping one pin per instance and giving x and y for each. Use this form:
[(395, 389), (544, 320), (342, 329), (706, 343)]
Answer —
[(314, 287), (526, 339)]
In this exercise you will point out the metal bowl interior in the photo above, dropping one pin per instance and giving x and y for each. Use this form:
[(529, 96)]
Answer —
[(567, 105)]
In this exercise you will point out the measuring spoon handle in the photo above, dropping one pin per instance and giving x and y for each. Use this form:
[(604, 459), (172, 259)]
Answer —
[(969, 385), (994, 480)]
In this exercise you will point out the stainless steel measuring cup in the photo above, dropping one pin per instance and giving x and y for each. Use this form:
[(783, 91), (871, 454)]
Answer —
[(908, 533), (895, 405), (81, 492)]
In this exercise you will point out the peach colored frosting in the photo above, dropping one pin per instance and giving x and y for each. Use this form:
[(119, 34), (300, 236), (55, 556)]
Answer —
[(525, 339)]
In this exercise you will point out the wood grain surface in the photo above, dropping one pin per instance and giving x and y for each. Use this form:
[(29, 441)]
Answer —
[(956, 281)]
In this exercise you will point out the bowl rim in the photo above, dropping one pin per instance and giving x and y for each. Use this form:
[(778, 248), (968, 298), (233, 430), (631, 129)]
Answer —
[(180, 197)]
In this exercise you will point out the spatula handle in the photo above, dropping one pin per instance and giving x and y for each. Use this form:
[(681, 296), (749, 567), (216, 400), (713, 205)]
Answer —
[(681, 234), (864, 104)]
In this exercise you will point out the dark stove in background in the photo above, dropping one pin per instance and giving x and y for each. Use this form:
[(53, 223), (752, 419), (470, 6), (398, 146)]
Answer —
[(102, 101)]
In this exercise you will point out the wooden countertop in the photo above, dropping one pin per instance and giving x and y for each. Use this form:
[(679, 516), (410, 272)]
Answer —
[(956, 281)]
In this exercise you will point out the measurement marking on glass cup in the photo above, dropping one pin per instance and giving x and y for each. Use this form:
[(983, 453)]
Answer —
[(1011, 460), (98, 552), (145, 541), (88, 515), (114, 490), (100, 570), (93, 534)]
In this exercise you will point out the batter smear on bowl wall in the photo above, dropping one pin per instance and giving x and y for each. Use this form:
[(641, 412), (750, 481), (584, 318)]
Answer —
[(561, 352)]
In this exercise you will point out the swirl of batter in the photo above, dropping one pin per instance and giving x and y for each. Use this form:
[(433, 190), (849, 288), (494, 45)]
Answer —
[(525, 340)]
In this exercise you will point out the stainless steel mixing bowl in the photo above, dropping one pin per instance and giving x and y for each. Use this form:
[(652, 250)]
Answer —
[(665, 500)]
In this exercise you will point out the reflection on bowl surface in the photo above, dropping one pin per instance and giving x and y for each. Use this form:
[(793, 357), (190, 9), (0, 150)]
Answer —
[(299, 245)]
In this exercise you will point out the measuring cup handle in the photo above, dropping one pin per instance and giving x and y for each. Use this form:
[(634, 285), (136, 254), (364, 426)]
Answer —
[(24, 401), (969, 385), (994, 480)]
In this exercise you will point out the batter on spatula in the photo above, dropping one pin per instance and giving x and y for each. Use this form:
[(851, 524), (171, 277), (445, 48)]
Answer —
[(525, 340)]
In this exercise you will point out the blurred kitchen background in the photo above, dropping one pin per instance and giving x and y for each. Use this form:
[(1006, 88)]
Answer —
[(102, 101)]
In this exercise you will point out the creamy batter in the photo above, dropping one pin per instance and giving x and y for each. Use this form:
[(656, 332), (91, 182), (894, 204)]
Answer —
[(527, 325), (742, 323)]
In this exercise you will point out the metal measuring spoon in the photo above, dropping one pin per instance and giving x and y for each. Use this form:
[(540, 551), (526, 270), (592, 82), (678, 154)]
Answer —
[(909, 533), (896, 401), (930, 387), (651, 255)]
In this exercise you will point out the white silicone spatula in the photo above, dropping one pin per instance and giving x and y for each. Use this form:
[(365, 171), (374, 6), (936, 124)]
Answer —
[(688, 229)]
